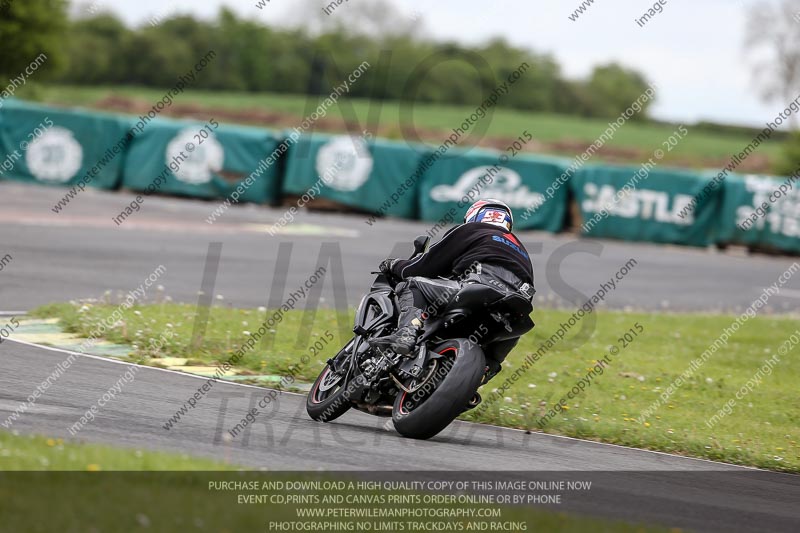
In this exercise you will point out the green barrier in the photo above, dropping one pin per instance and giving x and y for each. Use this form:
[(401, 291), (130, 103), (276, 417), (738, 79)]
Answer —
[(61, 147), (460, 178), (642, 206), (377, 176), (204, 160), (749, 217)]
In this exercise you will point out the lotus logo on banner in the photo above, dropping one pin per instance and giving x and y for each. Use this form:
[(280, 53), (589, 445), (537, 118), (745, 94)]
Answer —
[(200, 161), (55, 156), (505, 184), (344, 163)]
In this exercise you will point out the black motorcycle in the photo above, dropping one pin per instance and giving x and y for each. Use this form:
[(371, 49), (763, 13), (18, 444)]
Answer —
[(459, 348)]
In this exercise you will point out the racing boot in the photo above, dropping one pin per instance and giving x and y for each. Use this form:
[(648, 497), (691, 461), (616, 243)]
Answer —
[(404, 338)]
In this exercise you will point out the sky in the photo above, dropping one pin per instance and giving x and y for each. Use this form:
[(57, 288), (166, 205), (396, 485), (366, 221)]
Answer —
[(693, 50)]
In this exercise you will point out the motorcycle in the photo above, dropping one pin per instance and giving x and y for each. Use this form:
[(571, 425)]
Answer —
[(423, 391)]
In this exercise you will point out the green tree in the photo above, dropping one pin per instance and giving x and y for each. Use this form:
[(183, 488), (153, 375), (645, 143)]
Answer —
[(317, 55), (613, 88), (447, 73), (338, 54), (95, 46), (29, 28), (537, 87), (155, 60), (239, 49), (161, 53)]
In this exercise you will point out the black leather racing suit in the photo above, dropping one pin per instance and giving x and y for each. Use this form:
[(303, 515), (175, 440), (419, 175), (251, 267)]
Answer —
[(475, 252)]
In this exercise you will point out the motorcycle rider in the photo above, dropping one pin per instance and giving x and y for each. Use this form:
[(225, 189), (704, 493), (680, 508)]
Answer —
[(481, 250)]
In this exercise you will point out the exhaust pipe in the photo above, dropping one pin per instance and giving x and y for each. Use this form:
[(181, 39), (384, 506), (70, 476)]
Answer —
[(375, 409)]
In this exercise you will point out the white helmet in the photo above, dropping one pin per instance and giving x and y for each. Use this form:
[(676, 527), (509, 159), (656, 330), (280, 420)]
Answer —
[(491, 211)]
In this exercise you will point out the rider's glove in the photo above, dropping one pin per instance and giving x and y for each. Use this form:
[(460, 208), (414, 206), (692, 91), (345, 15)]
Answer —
[(386, 266)]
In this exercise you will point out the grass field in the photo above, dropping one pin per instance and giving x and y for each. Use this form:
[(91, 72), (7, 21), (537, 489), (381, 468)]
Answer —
[(762, 429), (558, 134), (33, 452)]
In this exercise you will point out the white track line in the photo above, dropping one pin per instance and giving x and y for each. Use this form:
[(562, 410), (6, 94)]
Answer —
[(538, 434), (116, 361)]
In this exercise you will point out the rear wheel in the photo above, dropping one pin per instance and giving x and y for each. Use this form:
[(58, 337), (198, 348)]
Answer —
[(430, 405), (329, 397)]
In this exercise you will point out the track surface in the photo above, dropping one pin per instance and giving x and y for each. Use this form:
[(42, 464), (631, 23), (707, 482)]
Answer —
[(81, 253), (645, 486)]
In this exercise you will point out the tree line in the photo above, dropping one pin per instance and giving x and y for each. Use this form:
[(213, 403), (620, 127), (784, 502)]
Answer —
[(95, 47), (99, 49)]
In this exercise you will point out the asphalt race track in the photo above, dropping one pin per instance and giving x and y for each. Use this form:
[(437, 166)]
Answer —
[(82, 253), (629, 484)]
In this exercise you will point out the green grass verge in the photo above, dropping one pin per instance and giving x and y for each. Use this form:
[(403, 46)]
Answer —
[(761, 430), (32, 452), (228, 330), (695, 150)]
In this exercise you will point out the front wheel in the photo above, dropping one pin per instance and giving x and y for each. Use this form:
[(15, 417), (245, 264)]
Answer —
[(329, 397), (433, 405)]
